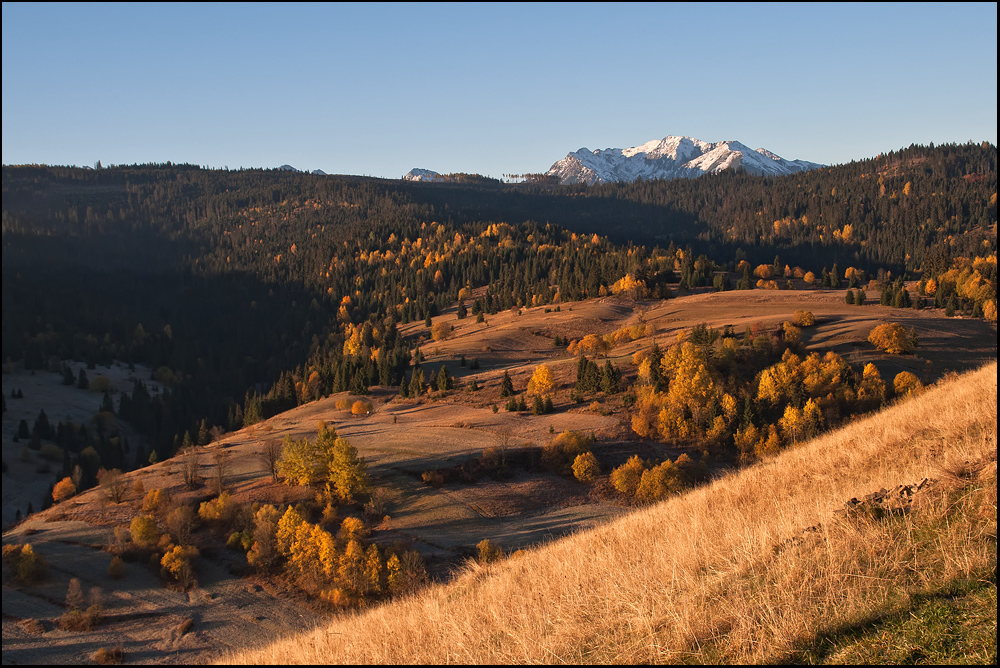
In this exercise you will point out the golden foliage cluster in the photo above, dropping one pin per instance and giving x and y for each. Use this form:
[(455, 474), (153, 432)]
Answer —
[(893, 338)]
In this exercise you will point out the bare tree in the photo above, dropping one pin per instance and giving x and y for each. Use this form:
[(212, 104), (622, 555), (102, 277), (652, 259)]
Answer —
[(181, 521), (114, 485), (190, 465), (223, 465), (504, 440), (270, 456)]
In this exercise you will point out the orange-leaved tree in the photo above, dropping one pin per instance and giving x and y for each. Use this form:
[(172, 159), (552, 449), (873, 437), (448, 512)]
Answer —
[(893, 338)]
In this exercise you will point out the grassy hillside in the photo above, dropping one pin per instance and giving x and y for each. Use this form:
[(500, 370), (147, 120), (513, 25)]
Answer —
[(756, 567)]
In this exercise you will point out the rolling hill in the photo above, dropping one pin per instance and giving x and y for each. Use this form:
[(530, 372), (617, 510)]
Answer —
[(737, 573)]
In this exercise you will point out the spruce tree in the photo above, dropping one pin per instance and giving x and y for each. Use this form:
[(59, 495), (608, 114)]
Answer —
[(443, 379), (506, 386)]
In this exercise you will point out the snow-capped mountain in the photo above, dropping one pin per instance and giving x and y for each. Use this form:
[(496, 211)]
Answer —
[(671, 158), (417, 174)]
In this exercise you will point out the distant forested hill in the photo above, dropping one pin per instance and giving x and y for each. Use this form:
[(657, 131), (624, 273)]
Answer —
[(254, 290)]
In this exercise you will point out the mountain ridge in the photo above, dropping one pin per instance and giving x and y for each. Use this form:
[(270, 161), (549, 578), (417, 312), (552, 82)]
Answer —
[(670, 158)]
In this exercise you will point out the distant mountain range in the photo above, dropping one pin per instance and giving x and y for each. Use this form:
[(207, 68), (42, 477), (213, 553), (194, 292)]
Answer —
[(671, 158), (289, 168), (417, 174), (668, 158)]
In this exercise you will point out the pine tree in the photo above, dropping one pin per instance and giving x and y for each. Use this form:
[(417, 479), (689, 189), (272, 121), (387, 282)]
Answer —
[(949, 309), (610, 378), (417, 383), (506, 386), (444, 381)]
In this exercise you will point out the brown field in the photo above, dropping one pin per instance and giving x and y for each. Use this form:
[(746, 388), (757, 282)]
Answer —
[(520, 342), (400, 439)]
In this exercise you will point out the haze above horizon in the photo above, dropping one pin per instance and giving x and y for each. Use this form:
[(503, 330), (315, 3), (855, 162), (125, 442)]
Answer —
[(490, 89)]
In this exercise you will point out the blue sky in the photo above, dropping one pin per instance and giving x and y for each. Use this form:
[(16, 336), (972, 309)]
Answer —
[(378, 89)]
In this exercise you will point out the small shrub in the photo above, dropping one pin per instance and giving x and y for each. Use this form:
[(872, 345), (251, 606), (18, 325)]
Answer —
[(116, 569), (793, 335), (487, 551), (240, 540), (804, 318), (893, 338), (32, 627), (658, 482), (221, 509), (559, 454), (178, 564), (441, 331), (585, 467), (51, 452), (627, 477), (381, 501), (81, 620), (28, 566), (63, 490), (361, 407), (905, 384), (432, 478), (155, 500), (74, 595), (109, 657), (181, 522), (143, 531)]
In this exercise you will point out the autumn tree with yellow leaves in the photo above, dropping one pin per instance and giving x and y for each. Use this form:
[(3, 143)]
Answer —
[(893, 338), (542, 381), (328, 459)]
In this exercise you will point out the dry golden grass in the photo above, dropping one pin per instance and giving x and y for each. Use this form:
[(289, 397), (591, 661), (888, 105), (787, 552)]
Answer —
[(713, 575)]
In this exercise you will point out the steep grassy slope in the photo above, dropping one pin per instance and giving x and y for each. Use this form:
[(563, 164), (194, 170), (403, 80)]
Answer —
[(754, 567)]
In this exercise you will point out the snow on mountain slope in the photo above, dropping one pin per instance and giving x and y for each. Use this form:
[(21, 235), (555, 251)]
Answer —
[(670, 158), (417, 174)]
